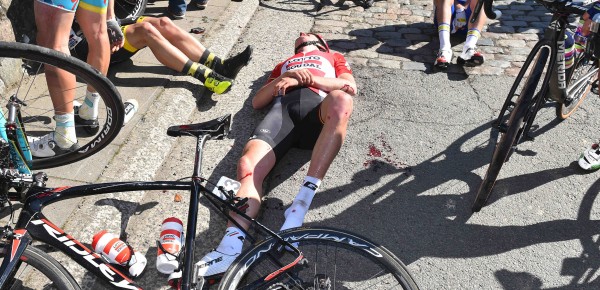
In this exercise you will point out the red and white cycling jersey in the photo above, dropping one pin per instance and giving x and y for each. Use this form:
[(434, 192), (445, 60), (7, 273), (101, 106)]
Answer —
[(319, 63)]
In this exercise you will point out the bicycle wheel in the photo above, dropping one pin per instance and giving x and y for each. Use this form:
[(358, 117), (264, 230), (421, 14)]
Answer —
[(519, 115), (583, 76), (23, 77), (39, 270), (130, 8), (332, 260)]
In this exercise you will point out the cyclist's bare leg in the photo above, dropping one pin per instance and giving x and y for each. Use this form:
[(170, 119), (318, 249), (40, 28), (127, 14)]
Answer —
[(480, 22), (335, 112), (443, 16), (174, 47), (148, 33), (93, 25), (179, 38), (256, 162), (443, 12), (254, 165), (54, 26)]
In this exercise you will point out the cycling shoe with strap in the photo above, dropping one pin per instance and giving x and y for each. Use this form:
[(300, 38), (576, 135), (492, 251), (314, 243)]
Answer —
[(214, 263), (471, 57)]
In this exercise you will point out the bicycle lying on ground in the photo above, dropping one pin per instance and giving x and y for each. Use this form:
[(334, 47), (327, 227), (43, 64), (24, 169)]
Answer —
[(27, 107), (299, 258), (567, 87)]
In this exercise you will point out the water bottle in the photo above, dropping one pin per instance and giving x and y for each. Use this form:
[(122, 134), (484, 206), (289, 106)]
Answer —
[(118, 252), (171, 240)]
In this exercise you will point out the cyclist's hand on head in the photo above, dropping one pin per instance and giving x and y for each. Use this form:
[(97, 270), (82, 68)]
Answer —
[(115, 35), (303, 76), (283, 84)]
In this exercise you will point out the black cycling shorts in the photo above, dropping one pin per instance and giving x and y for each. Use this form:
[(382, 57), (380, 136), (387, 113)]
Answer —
[(293, 121)]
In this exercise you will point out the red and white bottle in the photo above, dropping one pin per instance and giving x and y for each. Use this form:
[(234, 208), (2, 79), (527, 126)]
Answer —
[(171, 240), (118, 252)]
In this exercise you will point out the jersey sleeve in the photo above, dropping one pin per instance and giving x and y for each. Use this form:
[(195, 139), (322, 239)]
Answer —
[(275, 73), (340, 64)]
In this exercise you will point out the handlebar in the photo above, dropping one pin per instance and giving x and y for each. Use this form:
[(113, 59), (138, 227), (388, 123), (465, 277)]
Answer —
[(489, 10)]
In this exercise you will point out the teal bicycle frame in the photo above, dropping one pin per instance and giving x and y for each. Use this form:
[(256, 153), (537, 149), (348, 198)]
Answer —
[(12, 131)]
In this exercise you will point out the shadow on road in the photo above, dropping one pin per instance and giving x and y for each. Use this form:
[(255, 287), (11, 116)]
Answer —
[(584, 268)]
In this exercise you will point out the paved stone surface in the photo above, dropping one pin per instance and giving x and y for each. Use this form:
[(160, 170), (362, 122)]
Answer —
[(416, 149), (403, 30)]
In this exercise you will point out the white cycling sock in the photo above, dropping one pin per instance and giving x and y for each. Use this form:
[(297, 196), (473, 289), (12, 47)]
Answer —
[(444, 35), (89, 108), (294, 215), (472, 37), (232, 242), (64, 134)]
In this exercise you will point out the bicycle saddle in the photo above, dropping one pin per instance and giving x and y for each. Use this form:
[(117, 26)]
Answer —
[(217, 128)]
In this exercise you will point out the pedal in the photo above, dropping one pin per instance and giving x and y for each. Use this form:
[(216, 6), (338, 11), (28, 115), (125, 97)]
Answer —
[(242, 204)]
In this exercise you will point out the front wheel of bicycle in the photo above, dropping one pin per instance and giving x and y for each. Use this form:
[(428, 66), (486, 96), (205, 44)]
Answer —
[(520, 116), (23, 79), (585, 73), (333, 259), (38, 270)]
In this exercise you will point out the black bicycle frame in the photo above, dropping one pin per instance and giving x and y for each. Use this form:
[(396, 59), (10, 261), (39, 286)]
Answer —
[(554, 37), (33, 225)]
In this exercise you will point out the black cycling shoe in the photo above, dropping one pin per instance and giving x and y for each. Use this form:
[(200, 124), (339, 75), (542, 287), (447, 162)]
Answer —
[(89, 126), (232, 66)]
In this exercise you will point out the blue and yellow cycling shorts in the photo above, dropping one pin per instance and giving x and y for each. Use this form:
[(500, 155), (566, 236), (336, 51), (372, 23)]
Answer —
[(98, 6)]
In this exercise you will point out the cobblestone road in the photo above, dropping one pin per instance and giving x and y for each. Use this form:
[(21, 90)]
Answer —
[(400, 34)]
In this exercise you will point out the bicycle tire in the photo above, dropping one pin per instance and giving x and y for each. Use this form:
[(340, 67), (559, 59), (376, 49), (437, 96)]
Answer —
[(581, 79), (335, 245), (517, 118), (34, 264), (27, 62), (130, 8)]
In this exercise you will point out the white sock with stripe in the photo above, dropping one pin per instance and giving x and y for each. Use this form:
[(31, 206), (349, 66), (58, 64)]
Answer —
[(294, 215), (89, 108), (472, 38), (64, 134), (444, 35)]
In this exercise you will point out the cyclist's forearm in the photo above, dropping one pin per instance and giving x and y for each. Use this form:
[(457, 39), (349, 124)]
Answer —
[(343, 82), (264, 96), (110, 10)]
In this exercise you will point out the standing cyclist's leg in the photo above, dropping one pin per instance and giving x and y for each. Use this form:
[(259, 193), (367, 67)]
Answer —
[(54, 26), (470, 55), (334, 113), (91, 15), (443, 17)]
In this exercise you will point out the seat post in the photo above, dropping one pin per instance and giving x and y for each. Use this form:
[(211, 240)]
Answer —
[(190, 237), (198, 159)]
